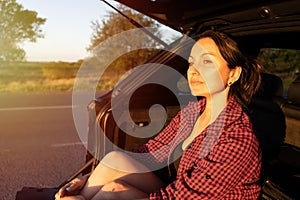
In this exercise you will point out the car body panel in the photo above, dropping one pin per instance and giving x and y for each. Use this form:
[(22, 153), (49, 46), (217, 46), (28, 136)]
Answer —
[(256, 25), (187, 15), (261, 28)]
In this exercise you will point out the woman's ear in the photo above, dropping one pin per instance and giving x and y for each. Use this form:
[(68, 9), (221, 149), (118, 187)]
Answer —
[(235, 74)]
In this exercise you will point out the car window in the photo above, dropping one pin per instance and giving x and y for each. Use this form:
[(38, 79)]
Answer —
[(284, 63), (120, 68)]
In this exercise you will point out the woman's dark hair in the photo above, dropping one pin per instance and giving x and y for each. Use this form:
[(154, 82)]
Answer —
[(248, 83)]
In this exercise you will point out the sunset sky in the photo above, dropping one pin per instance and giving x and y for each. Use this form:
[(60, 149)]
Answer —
[(67, 30)]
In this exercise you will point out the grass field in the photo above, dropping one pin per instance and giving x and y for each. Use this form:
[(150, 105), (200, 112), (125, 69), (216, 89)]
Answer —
[(44, 77)]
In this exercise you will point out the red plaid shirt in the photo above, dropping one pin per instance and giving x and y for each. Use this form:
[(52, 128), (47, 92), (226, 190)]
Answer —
[(222, 162)]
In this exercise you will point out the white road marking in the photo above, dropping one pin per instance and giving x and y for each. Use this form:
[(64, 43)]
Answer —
[(36, 108), (5, 151), (67, 144)]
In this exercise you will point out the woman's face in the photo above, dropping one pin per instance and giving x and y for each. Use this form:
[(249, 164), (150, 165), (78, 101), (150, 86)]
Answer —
[(208, 72)]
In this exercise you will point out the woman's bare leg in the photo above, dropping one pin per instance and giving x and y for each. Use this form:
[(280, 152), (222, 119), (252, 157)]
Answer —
[(119, 166), (120, 190)]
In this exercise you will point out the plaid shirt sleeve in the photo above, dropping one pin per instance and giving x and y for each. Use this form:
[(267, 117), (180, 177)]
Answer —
[(222, 174), (212, 177), (156, 150), (231, 169)]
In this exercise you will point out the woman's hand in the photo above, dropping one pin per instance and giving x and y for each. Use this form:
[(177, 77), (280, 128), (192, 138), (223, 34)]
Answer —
[(72, 188)]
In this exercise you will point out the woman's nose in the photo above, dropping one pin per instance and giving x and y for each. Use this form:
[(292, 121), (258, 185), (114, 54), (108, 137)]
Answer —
[(192, 70)]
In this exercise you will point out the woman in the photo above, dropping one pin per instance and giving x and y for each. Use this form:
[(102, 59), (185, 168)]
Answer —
[(220, 159)]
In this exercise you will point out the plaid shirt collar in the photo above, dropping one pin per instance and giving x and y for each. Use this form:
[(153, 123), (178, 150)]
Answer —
[(229, 114), (211, 134)]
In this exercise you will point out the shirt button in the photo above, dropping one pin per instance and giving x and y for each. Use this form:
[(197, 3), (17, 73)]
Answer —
[(207, 176)]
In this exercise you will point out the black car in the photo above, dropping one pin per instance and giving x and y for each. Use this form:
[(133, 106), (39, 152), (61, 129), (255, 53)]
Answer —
[(267, 30)]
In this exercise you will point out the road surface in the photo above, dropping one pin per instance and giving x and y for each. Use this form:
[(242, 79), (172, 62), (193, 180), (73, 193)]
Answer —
[(39, 145)]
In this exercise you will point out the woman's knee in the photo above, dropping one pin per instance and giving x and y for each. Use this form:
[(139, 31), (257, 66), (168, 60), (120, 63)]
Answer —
[(113, 166), (121, 161)]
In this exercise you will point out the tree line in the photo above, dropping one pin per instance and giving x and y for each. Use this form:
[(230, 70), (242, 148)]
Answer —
[(18, 25)]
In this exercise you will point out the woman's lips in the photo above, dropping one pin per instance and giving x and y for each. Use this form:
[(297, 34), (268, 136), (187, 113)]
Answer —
[(195, 82)]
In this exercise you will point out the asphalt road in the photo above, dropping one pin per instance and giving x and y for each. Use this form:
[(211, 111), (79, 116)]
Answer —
[(39, 144)]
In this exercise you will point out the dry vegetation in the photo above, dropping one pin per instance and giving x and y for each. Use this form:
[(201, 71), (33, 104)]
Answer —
[(44, 77)]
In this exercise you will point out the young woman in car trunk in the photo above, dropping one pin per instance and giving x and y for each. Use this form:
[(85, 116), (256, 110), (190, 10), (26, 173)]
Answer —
[(220, 154)]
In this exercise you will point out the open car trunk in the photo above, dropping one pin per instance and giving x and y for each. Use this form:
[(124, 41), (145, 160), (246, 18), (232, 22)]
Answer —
[(257, 25)]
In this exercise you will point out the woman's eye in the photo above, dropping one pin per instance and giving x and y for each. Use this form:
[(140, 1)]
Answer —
[(207, 61)]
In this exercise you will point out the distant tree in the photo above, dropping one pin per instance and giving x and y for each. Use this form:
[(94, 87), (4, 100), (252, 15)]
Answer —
[(280, 60), (17, 25), (114, 24)]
